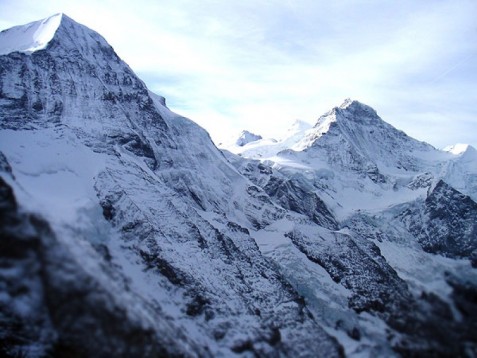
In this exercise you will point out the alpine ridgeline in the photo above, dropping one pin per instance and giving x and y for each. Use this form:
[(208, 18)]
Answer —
[(125, 232)]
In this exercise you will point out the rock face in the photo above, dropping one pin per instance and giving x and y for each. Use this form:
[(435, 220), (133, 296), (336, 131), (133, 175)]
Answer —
[(157, 259), (51, 304), (121, 220), (297, 195), (353, 136), (391, 212), (445, 223)]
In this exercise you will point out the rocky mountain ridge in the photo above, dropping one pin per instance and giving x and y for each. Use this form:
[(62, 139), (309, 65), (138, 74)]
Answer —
[(122, 219)]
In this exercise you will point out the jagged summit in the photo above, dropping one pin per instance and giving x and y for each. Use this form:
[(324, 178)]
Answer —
[(347, 102), (354, 105), (60, 33), (82, 65), (350, 111), (355, 123), (469, 155), (247, 137), (351, 137), (31, 37), (353, 134)]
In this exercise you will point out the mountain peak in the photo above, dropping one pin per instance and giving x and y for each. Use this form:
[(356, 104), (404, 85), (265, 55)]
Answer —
[(350, 111), (357, 108), (347, 102), (247, 137), (31, 37), (57, 33), (356, 131)]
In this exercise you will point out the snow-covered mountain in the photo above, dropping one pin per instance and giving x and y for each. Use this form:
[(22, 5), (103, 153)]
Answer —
[(120, 220), (247, 137), (359, 162), (370, 183)]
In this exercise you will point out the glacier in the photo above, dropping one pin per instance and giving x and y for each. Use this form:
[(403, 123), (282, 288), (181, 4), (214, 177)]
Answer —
[(121, 220)]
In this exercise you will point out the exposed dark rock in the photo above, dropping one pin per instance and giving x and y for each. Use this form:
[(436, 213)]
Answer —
[(424, 322), (375, 285), (296, 195), (55, 306), (445, 223)]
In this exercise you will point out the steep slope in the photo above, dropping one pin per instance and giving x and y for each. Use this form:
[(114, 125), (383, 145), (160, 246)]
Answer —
[(356, 161), (140, 197), (445, 223), (363, 138), (51, 301), (461, 172), (384, 190), (29, 38), (161, 245)]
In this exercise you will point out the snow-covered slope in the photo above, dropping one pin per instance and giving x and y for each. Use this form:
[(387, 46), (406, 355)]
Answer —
[(139, 200), (121, 218), (267, 147), (29, 38), (357, 161), (456, 149), (353, 171)]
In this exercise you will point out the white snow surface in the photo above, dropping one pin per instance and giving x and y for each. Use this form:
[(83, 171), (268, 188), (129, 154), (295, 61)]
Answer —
[(354, 161), (30, 37), (160, 172), (55, 173), (358, 162), (267, 147), (456, 149)]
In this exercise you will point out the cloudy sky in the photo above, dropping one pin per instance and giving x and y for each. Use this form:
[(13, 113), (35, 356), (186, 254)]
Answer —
[(259, 65)]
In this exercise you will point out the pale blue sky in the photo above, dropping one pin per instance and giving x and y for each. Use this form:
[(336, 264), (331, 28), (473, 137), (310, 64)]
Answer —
[(232, 65)]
